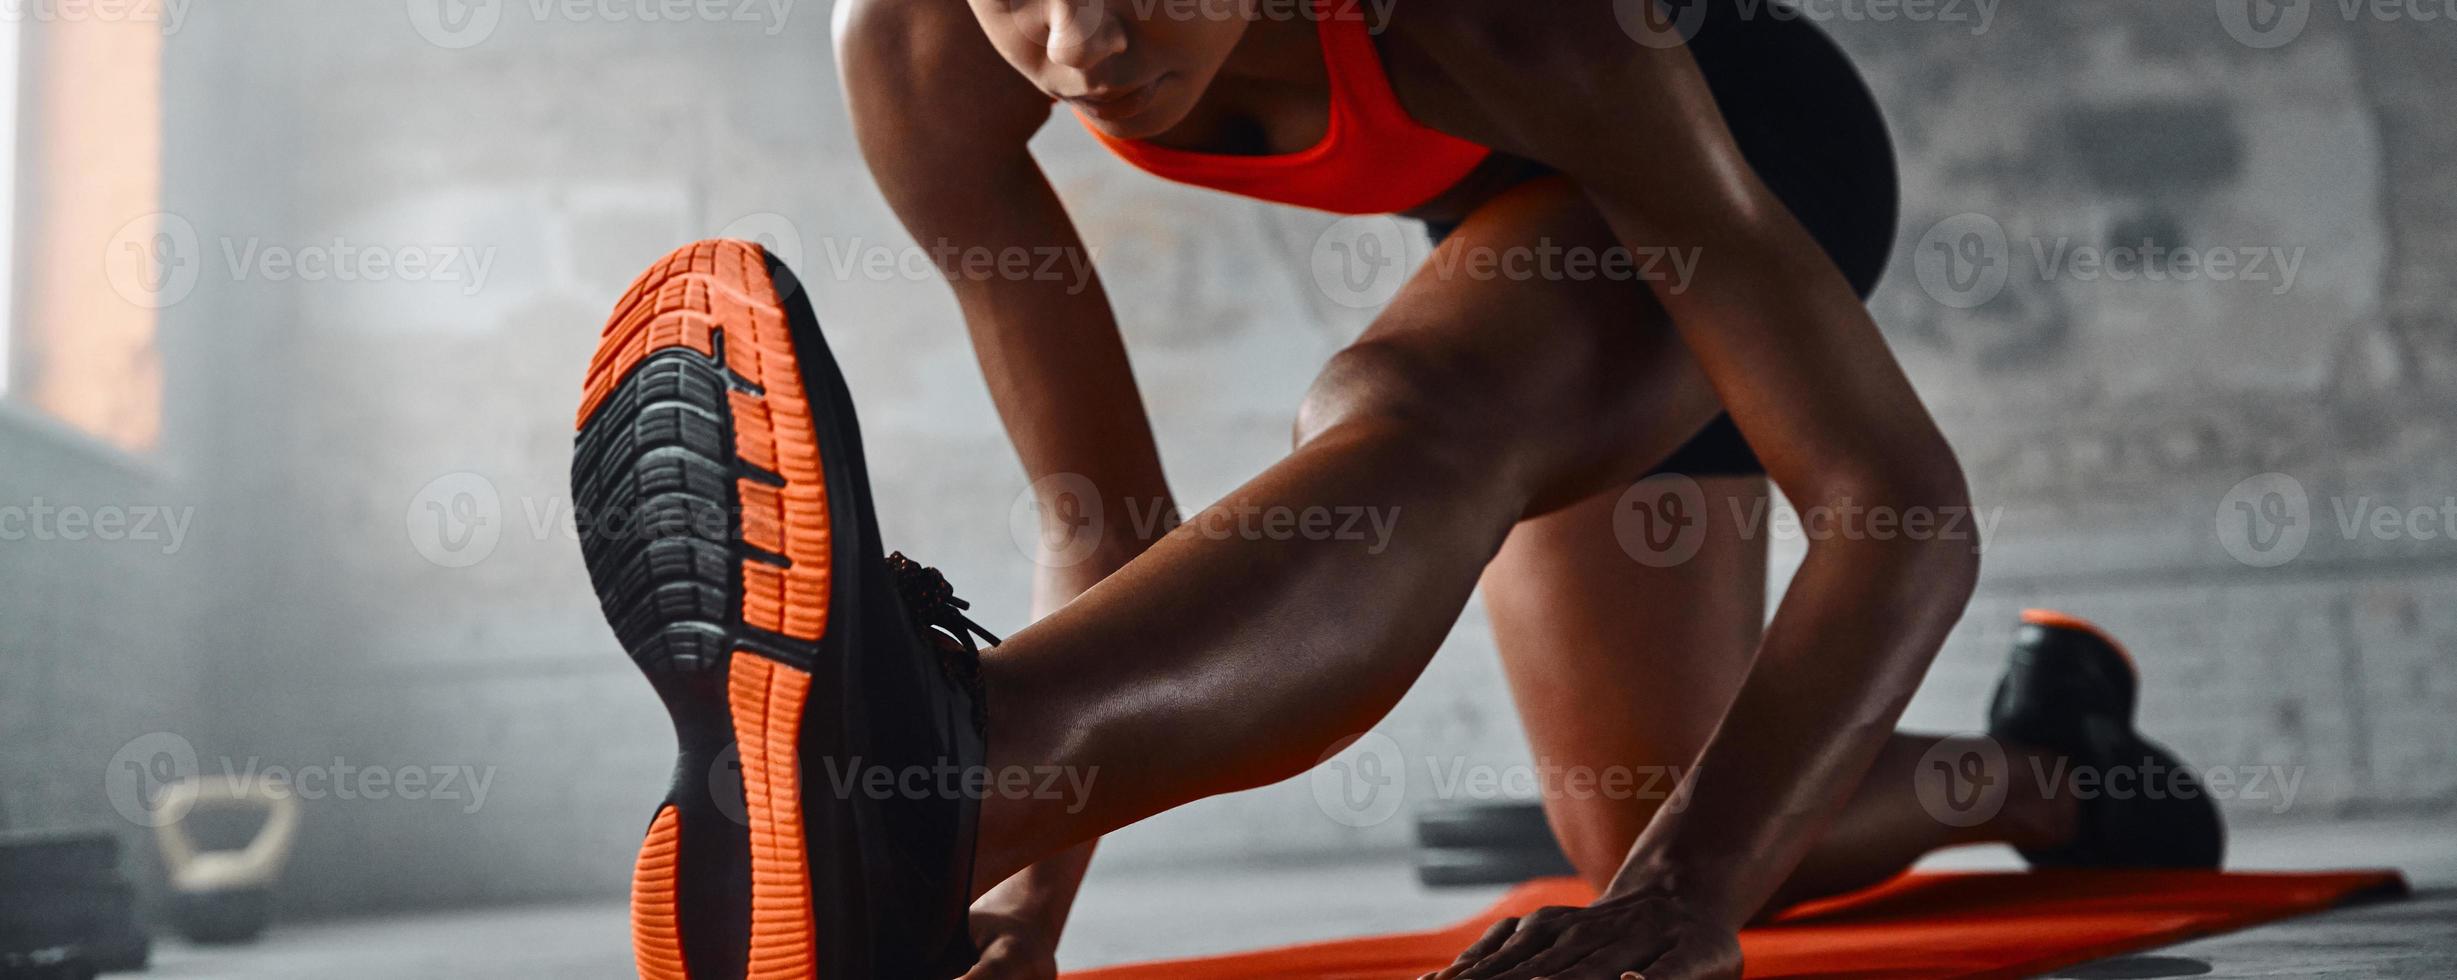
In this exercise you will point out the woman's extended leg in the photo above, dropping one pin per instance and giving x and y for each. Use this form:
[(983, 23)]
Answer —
[(1619, 664), (1221, 661)]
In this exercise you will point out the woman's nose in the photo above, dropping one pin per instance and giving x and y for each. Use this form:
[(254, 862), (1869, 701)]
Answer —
[(1083, 33)]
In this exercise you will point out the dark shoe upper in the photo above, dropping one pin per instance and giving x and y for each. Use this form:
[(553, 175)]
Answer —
[(915, 684), (2072, 690), (890, 813)]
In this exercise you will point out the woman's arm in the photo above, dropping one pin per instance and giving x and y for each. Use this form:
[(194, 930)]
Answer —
[(1795, 358), (943, 123)]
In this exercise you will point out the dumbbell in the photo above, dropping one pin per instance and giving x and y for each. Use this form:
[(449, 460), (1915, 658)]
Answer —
[(65, 910), (1486, 844)]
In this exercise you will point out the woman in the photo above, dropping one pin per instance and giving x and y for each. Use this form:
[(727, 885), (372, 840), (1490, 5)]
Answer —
[(1500, 418)]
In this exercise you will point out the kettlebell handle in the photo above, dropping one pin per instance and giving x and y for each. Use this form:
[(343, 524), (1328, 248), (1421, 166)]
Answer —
[(258, 863)]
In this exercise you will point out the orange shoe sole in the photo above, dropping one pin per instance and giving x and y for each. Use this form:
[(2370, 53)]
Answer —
[(726, 521), (705, 509)]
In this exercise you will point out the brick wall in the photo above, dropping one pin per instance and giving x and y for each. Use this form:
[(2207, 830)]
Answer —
[(333, 424)]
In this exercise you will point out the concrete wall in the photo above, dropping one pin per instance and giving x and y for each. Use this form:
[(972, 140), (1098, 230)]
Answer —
[(101, 686), (390, 581)]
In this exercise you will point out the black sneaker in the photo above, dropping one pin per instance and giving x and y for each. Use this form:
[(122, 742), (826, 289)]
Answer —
[(726, 520), (2071, 689)]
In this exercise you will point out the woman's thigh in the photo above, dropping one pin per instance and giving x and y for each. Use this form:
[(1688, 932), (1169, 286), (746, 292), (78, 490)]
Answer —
[(1530, 342), (1511, 348), (1626, 624)]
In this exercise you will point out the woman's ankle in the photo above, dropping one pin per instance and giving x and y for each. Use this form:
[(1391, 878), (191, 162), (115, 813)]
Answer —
[(2036, 815)]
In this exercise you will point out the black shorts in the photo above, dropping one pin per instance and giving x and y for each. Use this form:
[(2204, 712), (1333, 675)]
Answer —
[(1807, 122)]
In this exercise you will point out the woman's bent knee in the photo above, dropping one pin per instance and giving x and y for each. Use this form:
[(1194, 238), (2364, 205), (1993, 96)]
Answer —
[(1389, 387)]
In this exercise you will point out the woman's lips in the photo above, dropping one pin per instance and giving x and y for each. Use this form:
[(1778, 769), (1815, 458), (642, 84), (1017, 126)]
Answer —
[(1116, 103)]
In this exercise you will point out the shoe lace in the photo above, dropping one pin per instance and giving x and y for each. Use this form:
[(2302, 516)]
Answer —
[(933, 605)]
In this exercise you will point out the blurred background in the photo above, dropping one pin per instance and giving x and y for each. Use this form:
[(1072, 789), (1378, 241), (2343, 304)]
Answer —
[(300, 294)]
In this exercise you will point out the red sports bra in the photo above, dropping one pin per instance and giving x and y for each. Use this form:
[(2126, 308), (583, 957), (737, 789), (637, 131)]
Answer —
[(1373, 158)]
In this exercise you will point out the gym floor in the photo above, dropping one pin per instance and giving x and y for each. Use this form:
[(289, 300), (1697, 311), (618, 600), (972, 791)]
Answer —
[(1135, 914)]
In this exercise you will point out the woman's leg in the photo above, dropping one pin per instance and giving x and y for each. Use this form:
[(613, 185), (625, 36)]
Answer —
[(1618, 664), (1222, 661)]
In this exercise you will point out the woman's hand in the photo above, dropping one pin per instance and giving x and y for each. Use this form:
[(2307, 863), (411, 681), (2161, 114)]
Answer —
[(1013, 947), (1652, 933)]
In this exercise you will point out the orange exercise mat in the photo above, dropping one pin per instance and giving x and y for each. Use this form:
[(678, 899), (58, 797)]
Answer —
[(1918, 927)]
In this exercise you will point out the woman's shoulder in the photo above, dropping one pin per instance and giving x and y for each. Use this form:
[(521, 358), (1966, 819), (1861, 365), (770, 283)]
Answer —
[(927, 61), (930, 33)]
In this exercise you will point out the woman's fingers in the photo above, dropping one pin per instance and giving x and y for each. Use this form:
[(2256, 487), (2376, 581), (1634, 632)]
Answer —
[(1003, 959), (1536, 934), (1564, 954), (991, 966), (1692, 961), (1623, 958), (1493, 938)]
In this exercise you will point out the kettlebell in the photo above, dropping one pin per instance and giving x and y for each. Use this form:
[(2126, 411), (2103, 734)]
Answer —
[(224, 896)]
